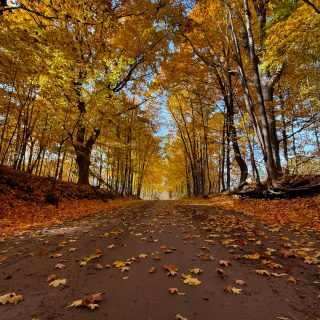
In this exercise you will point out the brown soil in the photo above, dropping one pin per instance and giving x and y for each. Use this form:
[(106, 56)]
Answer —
[(177, 233)]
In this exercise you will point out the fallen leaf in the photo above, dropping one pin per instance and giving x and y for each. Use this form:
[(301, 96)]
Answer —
[(241, 282), (57, 282), (191, 281), (255, 256), (75, 304), (15, 299), (173, 290), (44, 251), (196, 271), (292, 279), (221, 273), (171, 268), (231, 289), (263, 272), (176, 291), (271, 265), (96, 255), (225, 263), (11, 298), (123, 269), (88, 302), (5, 298), (119, 264), (51, 277), (59, 266), (152, 270), (180, 317), (311, 260), (3, 258), (278, 275)]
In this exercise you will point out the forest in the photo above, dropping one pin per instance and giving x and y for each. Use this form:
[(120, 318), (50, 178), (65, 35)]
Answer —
[(159, 159), (144, 97)]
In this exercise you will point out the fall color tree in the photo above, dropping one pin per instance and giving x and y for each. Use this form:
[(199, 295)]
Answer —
[(82, 86)]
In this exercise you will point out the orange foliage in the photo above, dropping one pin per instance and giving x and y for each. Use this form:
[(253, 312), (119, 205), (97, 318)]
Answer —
[(25, 216), (300, 214)]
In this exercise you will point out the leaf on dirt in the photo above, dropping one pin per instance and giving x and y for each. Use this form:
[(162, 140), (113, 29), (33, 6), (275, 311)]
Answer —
[(225, 263), (142, 256), (57, 282), (119, 264), (16, 299), (231, 289), (171, 269), (59, 266), (180, 317), (196, 271), (44, 251), (240, 282), (255, 256), (157, 258), (3, 258), (191, 281), (278, 275), (221, 273), (152, 270), (263, 272), (96, 255), (289, 253), (63, 243), (176, 291), (270, 251), (11, 298), (5, 298), (88, 302), (98, 266), (271, 265), (311, 260), (50, 277), (111, 246), (205, 256), (292, 279), (56, 255), (123, 269), (72, 249), (75, 304)]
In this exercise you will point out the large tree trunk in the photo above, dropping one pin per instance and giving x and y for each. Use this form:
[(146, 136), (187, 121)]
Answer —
[(83, 162), (270, 161), (84, 147)]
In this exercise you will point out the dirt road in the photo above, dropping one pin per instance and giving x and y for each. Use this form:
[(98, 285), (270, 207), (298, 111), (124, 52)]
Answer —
[(140, 239)]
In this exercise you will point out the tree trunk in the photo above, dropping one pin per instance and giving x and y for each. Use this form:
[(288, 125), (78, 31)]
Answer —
[(83, 162)]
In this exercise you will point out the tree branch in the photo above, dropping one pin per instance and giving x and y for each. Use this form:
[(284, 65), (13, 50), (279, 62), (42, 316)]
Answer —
[(315, 8)]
